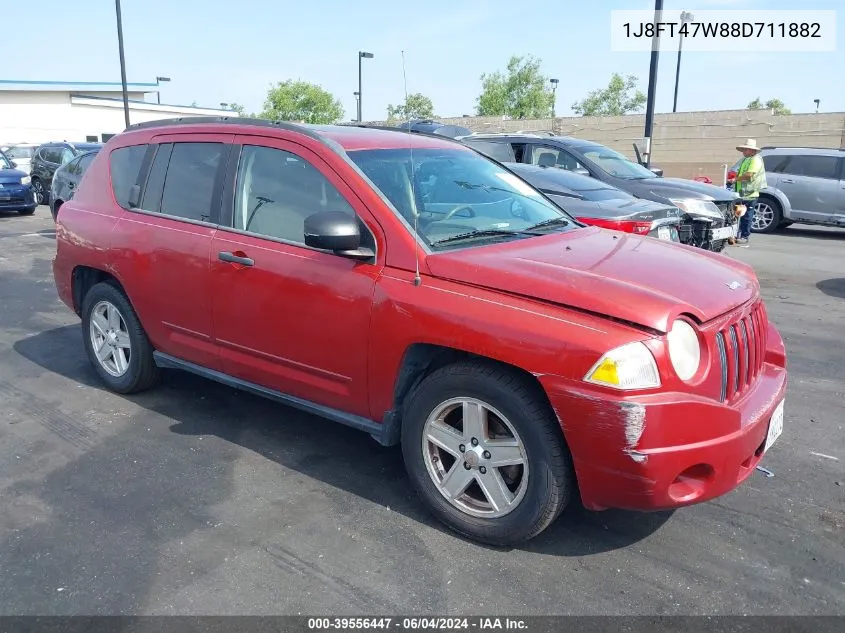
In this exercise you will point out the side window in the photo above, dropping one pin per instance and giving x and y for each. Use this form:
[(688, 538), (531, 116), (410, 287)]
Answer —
[(125, 163), (189, 184), (151, 197), (84, 163), (73, 167), (815, 166), (501, 152), (547, 156), (276, 190), (66, 156), (774, 163), (52, 155)]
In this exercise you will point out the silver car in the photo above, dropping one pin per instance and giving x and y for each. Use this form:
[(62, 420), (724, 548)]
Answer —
[(805, 186)]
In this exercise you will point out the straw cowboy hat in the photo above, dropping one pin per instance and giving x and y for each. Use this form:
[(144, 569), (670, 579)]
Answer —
[(749, 144)]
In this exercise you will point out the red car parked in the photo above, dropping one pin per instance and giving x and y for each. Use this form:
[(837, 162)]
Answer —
[(409, 287)]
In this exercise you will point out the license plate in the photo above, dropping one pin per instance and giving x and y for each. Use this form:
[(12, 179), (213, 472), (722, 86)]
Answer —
[(724, 233), (664, 233), (775, 427)]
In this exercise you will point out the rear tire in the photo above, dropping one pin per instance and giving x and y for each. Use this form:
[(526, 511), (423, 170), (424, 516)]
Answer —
[(457, 476), (116, 344), (768, 215), (26, 211), (39, 191)]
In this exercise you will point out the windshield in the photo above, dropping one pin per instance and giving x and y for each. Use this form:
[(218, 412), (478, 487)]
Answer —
[(81, 149), (456, 192), (15, 153), (615, 164)]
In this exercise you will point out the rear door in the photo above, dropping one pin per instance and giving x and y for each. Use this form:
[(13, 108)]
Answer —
[(811, 182), (168, 235)]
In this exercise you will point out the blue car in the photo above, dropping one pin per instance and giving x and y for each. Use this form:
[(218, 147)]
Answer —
[(15, 189)]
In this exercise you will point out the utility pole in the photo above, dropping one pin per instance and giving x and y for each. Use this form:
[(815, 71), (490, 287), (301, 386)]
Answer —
[(122, 63), (686, 16), (652, 80)]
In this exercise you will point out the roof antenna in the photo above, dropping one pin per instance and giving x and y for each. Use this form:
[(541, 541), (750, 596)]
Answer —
[(417, 278)]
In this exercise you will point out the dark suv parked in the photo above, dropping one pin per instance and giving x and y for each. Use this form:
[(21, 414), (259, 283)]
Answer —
[(48, 158), (708, 210)]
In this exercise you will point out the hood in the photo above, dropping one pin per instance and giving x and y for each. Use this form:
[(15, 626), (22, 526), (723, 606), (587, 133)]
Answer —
[(640, 280), (667, 188), (12, 176), (616, 209)]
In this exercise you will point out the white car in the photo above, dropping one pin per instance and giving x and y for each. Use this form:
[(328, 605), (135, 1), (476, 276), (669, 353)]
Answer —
[(22, 154)]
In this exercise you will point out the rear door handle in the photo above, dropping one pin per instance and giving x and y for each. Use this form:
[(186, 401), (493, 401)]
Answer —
[(787, 180), (225, 256)]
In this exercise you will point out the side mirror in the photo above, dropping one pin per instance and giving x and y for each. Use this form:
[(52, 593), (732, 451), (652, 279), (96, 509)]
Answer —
[(336, 231), (582, 171), (14, 165)]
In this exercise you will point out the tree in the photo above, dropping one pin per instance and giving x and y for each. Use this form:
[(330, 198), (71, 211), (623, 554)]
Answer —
[(776, 105), (620, 97), (301, 101), (237, 107), (416, 106), (521, 93)]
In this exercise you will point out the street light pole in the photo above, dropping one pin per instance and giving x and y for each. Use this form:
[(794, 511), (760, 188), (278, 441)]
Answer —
[(122, 63), (652, 80), (554, 83), (361, 55), (686, 16)]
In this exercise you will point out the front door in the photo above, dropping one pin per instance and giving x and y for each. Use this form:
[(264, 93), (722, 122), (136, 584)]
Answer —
[(811, 183), (286, 316)]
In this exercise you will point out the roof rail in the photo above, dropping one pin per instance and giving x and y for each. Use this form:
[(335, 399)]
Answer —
[(227, 120), (829, 149), (388, 128)]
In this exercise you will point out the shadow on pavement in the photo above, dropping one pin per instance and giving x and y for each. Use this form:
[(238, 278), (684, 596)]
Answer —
[(818, 233), (336, 455), (833, 287)]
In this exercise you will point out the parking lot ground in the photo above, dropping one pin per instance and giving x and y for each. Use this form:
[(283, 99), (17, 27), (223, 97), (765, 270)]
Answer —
[(197, 499)]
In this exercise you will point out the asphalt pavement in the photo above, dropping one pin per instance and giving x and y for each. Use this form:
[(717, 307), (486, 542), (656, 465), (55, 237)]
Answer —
[(197, 499)]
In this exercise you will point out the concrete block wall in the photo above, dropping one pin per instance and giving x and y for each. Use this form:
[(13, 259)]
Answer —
[(684, 144)]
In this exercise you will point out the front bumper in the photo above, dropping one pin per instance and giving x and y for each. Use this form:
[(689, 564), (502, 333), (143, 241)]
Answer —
[(667, 450), (16, 198)]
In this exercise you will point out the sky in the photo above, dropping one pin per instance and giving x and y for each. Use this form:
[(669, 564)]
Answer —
[(231, 51)]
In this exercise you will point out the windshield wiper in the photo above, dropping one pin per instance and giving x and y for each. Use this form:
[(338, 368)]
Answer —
[(550, 222), (478, 233)]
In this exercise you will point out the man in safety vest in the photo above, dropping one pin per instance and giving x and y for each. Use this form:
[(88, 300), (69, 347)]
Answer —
[(750, 179)]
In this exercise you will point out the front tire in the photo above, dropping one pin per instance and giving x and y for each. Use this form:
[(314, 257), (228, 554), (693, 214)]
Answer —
[(26, 211), (116, 344), (485, 452), (768, 216)]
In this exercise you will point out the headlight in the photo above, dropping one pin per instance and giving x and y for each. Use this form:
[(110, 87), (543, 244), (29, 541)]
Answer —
[(26, 180), (697, 207), (630, 366), (684, 349)]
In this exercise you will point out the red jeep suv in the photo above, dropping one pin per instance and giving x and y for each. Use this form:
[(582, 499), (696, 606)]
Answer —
[(407, 286)]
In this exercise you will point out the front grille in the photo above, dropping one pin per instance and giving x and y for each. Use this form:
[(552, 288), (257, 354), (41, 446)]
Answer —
[(741, 347)]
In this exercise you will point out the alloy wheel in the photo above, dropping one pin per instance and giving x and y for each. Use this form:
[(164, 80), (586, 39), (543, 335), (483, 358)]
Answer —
[(475, 457), (764, 215), (38, 188), (110, 338)]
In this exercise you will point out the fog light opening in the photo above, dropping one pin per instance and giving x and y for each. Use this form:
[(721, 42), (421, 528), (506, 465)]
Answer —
[(692, 483)]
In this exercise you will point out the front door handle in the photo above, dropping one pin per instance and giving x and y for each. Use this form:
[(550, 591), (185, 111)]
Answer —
[(225, 256), (787, 180)]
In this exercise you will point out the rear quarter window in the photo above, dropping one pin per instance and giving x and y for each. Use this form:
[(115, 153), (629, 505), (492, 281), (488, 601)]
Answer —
[(497, 151), (125, 164)]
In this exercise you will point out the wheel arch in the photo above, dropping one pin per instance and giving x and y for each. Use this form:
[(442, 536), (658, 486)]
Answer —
[(83, 278), (422, 359), (780, 198)]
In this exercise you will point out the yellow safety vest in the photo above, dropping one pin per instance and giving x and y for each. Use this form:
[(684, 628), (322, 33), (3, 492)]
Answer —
[(751, 188)]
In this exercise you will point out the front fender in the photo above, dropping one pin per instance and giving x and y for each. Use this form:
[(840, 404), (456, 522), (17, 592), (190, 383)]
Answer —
[(781, 198)]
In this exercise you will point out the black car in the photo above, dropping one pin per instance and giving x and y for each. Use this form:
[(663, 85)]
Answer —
[(596, 203), (428, 126), (708, 211), (48, 158), (66, 180)]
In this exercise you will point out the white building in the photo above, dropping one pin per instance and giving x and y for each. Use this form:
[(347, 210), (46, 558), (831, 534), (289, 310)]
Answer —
[(42, 111)]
